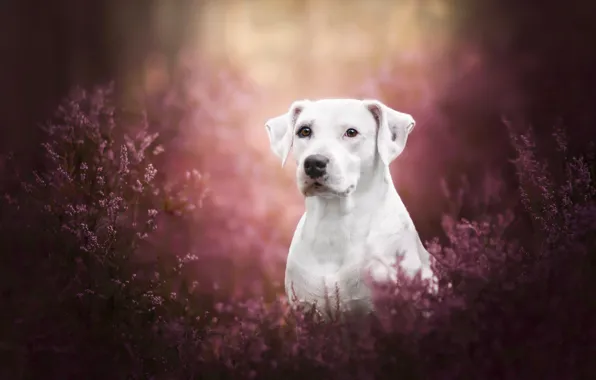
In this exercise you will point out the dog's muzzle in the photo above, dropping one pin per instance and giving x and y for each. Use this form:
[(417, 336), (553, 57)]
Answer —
[(315, 166)]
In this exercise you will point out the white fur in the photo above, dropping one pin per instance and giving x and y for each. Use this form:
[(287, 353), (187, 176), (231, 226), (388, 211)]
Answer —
[(354, 221)]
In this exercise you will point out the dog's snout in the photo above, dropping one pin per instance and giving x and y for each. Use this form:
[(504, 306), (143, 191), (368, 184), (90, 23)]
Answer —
[(315, 165)]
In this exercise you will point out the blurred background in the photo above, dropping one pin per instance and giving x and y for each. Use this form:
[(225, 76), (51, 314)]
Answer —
[(458, 66)]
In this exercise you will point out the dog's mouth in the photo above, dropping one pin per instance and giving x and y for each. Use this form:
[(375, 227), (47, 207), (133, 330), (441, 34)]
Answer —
[(314, 188), (317, 188)]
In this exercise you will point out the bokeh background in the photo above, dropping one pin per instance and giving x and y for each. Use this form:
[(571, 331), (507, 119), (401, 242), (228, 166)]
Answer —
[(458, 66)]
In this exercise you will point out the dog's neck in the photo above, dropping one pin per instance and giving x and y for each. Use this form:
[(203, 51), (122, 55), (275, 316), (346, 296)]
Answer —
[(372, 190)]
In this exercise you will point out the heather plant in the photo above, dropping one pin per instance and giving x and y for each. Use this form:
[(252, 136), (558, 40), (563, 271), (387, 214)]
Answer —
[(89, 217), (515, 306), (103, 278)]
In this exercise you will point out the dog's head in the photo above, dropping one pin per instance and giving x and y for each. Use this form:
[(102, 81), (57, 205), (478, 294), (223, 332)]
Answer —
[(337, 141)]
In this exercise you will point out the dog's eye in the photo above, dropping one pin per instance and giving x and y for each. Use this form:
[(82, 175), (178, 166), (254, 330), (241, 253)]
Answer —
[(351, 132), (304, 132)]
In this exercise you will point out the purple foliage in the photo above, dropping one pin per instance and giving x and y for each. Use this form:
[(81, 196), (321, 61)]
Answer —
[(101, 285)]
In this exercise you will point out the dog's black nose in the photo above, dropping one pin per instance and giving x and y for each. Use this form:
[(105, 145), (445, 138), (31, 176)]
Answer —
[(315, 165)]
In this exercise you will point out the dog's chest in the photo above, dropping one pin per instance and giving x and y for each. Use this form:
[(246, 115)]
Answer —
[(331, 243), (326, 257)]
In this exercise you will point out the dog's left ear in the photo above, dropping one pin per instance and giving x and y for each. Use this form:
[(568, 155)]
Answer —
[(393, 129)]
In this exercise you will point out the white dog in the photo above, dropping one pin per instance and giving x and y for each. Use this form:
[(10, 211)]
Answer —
[(354, 221)]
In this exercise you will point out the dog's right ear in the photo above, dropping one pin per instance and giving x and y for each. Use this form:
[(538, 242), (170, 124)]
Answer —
[(280, 130), (280, 136)]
